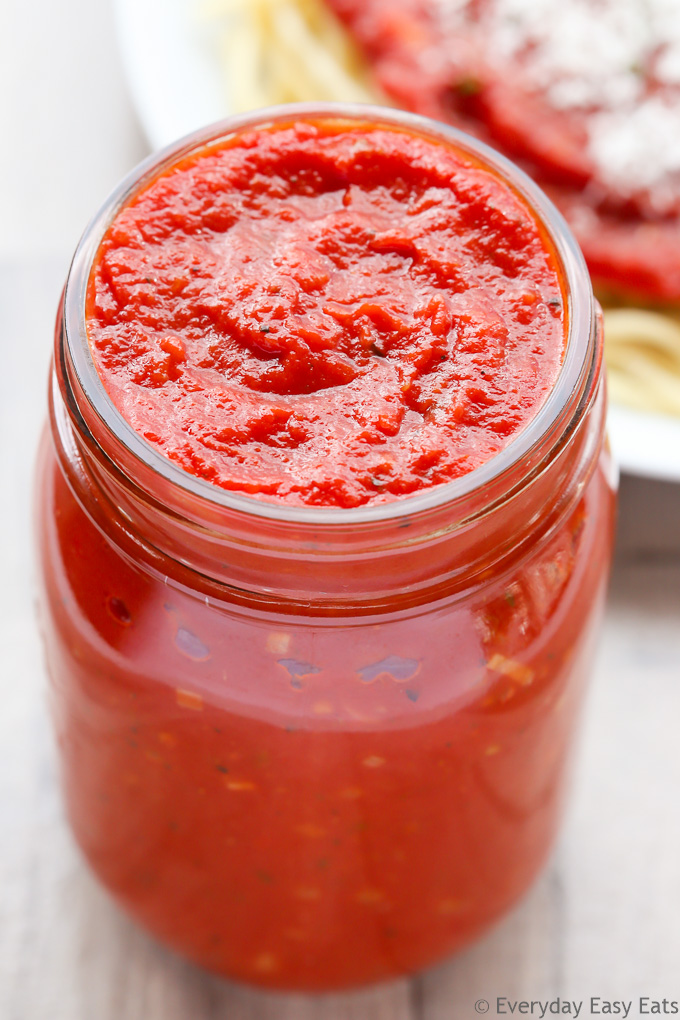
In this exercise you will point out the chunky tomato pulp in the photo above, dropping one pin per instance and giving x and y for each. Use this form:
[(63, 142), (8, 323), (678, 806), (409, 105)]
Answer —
[(327, 314), (315, 787)]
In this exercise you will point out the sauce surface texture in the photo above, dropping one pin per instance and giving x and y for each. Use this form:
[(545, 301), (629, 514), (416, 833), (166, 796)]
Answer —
[(327, 313)]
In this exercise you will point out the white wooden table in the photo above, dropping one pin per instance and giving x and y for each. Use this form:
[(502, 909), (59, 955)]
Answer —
[(604, 920)]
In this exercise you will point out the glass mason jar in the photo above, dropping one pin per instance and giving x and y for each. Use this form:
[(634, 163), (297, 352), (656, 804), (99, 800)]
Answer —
[(314, 747)]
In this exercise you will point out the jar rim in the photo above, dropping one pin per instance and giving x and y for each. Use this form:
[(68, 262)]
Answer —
[(542, 433)]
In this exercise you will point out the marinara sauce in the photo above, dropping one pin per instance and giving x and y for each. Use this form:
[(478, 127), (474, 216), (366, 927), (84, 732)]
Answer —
[(327, 313), (325, 523)]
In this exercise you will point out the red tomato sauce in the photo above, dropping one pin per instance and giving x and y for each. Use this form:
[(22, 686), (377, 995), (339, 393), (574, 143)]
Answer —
[(324, 313), (309, 803), (585, 97)]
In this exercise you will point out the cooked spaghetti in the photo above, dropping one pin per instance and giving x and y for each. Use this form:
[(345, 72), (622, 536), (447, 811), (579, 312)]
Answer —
[(642, 349), (285, 51)]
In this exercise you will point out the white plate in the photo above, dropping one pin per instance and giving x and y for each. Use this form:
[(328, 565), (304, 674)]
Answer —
[(171, 59), (644, 443)]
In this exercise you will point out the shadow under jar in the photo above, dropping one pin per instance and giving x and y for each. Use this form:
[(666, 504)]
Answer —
[(315, 747)]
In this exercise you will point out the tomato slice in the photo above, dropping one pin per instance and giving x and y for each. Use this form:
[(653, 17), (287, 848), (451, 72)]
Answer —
[(585, 97)]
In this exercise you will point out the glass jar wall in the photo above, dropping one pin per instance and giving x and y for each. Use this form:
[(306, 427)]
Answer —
[(314, 748)]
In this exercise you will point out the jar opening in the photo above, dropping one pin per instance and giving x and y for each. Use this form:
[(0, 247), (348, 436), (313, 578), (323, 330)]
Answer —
[(527, 448)]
